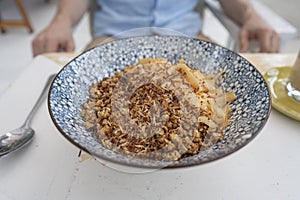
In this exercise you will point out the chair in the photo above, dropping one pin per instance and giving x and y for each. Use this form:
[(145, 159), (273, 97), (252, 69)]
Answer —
[(25, 22)]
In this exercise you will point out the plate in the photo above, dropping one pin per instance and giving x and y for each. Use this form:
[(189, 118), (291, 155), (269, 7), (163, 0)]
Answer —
[(70, 90), (277, 79)]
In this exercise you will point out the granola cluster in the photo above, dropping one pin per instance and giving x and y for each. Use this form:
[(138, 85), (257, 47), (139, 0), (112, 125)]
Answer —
[(153, 111)]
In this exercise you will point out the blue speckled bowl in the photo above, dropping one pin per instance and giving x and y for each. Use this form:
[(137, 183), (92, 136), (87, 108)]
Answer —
[(69, 91)]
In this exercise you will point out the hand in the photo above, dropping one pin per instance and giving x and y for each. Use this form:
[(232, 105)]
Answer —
[(56, 37), (255, 28)]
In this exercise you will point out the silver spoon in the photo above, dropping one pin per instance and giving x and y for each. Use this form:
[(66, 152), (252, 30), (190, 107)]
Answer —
[(19, 137)]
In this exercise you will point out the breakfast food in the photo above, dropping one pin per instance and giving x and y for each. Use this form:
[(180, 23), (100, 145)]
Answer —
[(157, 110)]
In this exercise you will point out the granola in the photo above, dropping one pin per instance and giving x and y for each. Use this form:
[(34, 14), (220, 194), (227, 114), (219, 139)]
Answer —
[(156, 110)]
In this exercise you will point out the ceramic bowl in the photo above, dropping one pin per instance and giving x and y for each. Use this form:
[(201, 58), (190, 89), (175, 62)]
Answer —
[(70, 89)]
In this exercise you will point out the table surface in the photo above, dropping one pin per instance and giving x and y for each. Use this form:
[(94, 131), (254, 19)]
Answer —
[(51, 168)]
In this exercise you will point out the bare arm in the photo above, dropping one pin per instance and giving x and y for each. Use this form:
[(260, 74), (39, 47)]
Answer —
[(253, 27), (71, 10), (237, 10), (57, 36)]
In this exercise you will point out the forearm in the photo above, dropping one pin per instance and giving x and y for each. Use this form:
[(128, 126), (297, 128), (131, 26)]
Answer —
[(238, 10), (71, 11), (253, 27)]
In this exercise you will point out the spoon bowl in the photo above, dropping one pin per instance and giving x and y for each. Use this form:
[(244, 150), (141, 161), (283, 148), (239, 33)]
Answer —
[(17, 138)]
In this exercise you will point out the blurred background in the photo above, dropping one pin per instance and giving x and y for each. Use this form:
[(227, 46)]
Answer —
[(15, 43)]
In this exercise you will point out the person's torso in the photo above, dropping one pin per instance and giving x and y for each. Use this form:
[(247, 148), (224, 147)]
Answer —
[(116, 16)]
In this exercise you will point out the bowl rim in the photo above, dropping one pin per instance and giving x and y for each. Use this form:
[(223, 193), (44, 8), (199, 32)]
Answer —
[(176, 166)]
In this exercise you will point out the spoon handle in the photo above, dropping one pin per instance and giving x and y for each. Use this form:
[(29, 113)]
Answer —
[(39, 101)]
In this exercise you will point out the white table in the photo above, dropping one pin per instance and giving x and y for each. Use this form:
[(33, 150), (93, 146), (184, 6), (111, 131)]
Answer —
[(49, 168)]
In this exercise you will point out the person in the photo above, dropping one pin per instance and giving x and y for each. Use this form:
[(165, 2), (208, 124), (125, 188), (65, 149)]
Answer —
[(115, 16)]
